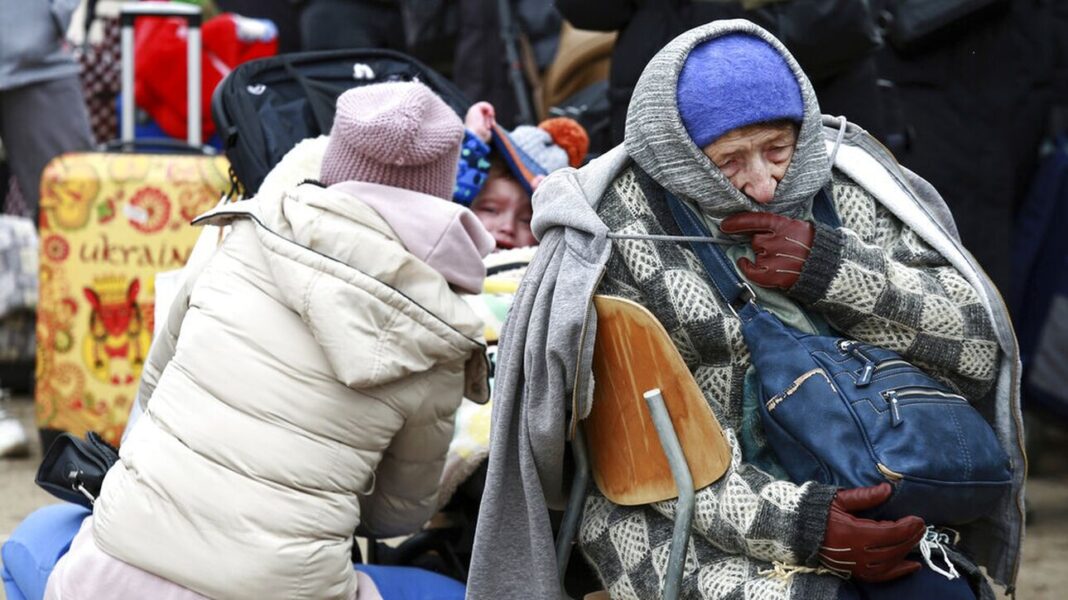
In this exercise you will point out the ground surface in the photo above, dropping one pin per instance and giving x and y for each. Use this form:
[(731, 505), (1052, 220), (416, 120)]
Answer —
[(1042, 576)]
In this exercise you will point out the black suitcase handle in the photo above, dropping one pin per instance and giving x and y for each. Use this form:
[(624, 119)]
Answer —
[(160, 145)]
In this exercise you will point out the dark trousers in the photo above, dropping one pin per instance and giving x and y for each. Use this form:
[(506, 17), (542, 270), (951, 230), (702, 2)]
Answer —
[(38, 122), (921, 585)]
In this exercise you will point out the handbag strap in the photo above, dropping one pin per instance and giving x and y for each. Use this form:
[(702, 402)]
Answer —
[(823, 211), (730, 286)]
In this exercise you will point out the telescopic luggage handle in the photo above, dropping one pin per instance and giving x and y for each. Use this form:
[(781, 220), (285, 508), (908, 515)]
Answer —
[(128, 14)]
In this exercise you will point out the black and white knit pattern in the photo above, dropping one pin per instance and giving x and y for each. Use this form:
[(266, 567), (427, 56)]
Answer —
[(880, 283), (873, 279)]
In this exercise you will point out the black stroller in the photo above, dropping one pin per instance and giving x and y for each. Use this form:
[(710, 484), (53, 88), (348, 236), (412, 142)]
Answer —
[(265, 107)]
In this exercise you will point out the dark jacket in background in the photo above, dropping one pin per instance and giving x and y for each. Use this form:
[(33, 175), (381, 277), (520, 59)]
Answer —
[(833, 40), (348, 24), (480, 67), (976, 100)]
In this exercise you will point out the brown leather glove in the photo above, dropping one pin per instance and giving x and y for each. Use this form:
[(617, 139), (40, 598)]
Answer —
[(868, 550), (781, 244)]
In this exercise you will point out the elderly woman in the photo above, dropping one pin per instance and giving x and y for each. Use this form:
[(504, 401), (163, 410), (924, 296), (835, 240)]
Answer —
[(725, 120)]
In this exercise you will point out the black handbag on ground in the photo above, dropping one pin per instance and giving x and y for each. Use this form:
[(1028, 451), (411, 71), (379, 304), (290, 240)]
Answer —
[(73, 469)]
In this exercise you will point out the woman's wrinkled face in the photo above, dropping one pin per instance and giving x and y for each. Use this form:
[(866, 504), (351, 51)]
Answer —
[(754, 158), (503, 206)]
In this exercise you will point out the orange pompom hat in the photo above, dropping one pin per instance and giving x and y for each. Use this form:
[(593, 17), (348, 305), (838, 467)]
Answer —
[(569, 135)]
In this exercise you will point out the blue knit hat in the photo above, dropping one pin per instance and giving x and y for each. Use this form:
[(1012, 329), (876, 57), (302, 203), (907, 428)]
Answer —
[(733, 81)]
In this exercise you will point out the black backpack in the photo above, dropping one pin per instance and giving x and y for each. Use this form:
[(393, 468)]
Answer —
[(265, 107)]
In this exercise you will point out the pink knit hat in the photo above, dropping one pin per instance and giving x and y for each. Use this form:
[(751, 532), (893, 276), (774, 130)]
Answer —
[(399, 134)]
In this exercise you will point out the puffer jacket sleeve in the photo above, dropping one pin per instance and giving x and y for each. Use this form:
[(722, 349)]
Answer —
[(406, 480), (875, 279)]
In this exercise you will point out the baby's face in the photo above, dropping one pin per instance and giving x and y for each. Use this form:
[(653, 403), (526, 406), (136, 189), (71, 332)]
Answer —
[(504, 209)]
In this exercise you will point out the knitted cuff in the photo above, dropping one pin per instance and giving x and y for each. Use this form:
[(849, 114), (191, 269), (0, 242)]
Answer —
[(812, 522), (821, 267), (472, 170)]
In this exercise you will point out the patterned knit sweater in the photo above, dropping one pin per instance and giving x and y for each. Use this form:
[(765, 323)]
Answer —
[(873, 279)]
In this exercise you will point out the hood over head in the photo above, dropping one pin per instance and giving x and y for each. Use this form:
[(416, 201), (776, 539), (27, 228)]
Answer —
[(659, 142)]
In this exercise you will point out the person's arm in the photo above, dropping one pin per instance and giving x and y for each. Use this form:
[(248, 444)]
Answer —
[(597, 15), (473, 168), (748, 512), (406, 480), (62, 11), (876, 280)]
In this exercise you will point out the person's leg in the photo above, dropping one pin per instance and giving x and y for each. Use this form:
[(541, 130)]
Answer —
[(922, 584), (39, 122)]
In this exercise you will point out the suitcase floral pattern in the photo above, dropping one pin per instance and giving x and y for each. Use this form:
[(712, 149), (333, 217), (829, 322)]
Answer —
[(109, 223)]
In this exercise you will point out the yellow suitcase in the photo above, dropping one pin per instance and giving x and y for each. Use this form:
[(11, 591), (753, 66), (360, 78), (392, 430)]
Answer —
[(109, 223)]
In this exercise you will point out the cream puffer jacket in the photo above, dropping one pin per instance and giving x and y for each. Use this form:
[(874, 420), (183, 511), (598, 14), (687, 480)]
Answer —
[(305, 384)]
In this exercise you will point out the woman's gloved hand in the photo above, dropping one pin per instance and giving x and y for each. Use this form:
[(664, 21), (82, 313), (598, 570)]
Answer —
[(781, 245), (866, 549)]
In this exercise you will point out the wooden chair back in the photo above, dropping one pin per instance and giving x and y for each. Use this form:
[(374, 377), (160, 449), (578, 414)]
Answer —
[(634, 354)]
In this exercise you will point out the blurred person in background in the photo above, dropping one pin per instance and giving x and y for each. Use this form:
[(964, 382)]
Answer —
[(346, 24), (42, 115), (833, 40), (42, 109), (976, 95)]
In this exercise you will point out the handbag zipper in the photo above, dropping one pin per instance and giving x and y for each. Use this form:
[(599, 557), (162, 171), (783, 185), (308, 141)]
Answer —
[(893, 396), (895, 412), (870, 367)]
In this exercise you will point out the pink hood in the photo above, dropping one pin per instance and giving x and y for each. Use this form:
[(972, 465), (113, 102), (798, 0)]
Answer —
[(446, 236)]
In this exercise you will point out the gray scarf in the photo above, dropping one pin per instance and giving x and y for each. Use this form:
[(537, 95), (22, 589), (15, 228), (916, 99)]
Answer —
[(658, 142)]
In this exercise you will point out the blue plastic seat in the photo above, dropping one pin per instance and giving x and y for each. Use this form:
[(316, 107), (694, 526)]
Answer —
[(35, 546), (38, 543), (410, 583)]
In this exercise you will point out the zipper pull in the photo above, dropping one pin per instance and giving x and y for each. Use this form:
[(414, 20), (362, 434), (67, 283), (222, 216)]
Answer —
[(895, 411), (869, 366), (865, 374)]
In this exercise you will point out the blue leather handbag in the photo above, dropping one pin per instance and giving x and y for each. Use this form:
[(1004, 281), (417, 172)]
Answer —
[(850, 414)]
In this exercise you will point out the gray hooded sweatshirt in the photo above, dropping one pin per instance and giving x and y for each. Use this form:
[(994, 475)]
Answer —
[(32, 34), (544, 380)]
